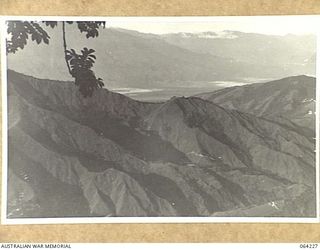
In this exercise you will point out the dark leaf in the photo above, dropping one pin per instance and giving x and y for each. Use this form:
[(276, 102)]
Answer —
[(46, 40), (52, 24)]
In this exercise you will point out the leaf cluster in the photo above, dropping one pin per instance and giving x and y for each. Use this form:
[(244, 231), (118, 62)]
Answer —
[(91, 29), (80, 69), (19, 32), (79, 65)]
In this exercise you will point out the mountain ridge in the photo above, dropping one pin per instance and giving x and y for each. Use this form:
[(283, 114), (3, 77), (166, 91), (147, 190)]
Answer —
[(128, 158), (291, 97)]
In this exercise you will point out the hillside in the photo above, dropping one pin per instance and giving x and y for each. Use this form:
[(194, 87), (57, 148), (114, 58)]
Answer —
[(113, 156), (292, 98)]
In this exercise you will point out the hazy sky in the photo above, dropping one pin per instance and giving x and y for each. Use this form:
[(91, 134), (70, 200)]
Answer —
[(276, 25)]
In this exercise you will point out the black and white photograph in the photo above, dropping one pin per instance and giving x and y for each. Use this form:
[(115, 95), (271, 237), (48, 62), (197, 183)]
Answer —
[(180, 119)]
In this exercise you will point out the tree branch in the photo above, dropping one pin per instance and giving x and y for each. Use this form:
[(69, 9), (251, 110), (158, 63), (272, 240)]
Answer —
[(65, 45)]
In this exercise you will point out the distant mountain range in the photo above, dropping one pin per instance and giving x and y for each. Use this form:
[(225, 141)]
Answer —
[(291, 53), (110, 155), (132, 59)]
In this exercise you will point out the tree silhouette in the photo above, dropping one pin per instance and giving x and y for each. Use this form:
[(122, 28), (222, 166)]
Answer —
[(79, 65)]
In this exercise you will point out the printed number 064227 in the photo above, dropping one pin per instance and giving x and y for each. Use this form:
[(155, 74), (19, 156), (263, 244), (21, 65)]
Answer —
[(310, 246)]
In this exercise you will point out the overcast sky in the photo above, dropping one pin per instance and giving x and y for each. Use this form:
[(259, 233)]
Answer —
[(276, 25)]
